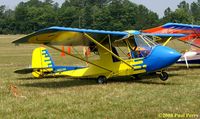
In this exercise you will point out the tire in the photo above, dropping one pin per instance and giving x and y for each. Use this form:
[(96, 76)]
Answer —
[(163, 76), (101, 80)]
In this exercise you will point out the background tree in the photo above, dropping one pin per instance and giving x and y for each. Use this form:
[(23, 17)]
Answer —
[(95, 14), (195, 11), (181, 15)]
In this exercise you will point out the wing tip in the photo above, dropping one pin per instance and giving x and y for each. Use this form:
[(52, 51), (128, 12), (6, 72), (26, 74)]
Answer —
[(180, 25)]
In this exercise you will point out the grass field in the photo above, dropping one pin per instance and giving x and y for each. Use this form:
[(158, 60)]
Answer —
[(24, 97)]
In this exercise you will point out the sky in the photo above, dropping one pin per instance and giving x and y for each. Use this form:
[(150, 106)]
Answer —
[(157, 6)]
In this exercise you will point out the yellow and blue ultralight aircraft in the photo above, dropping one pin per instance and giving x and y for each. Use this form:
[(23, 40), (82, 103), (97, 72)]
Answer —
[(145, 55)]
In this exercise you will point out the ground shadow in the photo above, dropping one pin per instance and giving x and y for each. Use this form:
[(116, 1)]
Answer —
[(60, 84), (86, 82), (156, 83), (143, 80), (32, 78), (27, 78)]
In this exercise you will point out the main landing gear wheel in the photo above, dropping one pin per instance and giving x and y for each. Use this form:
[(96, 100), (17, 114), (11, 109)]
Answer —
[(163, 76), (101, 80)]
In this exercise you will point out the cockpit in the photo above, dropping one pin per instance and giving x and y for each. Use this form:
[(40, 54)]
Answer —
[(140, 46), (134, 46)]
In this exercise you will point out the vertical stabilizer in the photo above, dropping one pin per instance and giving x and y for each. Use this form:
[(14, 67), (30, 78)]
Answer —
[(41, 58)]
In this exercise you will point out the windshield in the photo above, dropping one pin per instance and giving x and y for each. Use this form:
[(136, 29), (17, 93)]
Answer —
[(142, 46)]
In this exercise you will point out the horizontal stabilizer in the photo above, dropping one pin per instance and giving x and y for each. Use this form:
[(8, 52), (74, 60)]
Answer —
[(29, 70), (24, 71)]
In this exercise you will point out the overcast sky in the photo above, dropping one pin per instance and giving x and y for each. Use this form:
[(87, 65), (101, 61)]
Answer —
[(157, 6)]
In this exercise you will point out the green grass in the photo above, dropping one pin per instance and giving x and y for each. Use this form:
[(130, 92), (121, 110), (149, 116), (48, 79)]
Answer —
[(76, 99)]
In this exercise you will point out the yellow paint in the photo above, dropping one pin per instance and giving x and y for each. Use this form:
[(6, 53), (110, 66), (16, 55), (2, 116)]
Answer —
[(118, 68), (157, 39), (144, 66), (37, 74), (107, 49), (82, 59), (167, 41), (39, 63), (104, 66), (60, 38), (137, 67), (95, 69)]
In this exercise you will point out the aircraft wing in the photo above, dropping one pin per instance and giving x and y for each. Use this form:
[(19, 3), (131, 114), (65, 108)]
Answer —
[(70, 36), (76, 37), (190, 33)]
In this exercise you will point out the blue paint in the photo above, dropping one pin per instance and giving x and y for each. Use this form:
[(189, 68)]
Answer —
[(47, 55), (58, 68), (66, 68), (135, 32), (161, 57), (56, 28), (165, 35), (181, 26)]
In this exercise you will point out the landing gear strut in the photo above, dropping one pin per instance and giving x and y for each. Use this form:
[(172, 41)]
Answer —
[(101, 80), (163, 76)]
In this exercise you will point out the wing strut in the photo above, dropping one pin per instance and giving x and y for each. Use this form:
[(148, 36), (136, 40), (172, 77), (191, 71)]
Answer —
[(167, 41), (97, 43), (55, 48)]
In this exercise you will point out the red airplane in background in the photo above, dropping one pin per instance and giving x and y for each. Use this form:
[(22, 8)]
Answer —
[(190, 35)]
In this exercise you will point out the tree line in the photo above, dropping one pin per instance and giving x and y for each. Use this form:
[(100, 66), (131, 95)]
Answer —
[(92, 14)]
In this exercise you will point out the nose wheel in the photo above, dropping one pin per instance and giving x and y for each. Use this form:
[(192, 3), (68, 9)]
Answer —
[(163, 76)]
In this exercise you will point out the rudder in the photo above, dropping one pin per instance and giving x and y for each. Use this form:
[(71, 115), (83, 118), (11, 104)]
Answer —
[(41, 59)]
